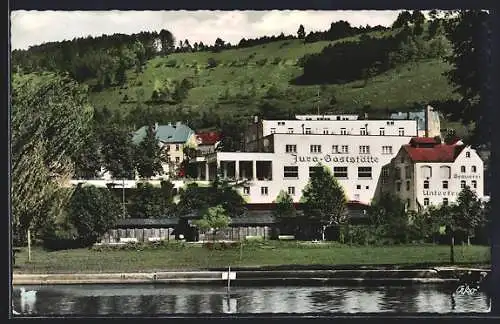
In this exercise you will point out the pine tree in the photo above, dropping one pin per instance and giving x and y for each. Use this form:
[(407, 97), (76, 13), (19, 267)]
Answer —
[(324, 199), (301, 33), (149, 155)]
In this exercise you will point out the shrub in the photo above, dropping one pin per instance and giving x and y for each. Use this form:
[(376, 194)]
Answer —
[(171, 63), (276, 60), (211, 63), (262, 62)]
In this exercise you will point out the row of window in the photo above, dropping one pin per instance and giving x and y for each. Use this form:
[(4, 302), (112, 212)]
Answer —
[(338, 149), (292, 172), (177, 147), (444, 184), (264, 191), (426, 171), (427, 202), (343, 131)]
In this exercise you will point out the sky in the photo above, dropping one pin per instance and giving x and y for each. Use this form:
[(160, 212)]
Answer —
[(30, 28)]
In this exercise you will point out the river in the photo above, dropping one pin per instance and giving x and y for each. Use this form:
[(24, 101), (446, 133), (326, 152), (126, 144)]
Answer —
[(145, 299)]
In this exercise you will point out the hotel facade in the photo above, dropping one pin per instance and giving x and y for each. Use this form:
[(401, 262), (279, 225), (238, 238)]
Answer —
[(427, 172), (282, 154)]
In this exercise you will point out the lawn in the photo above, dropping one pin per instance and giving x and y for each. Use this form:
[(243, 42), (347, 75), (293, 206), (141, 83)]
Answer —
[(191, 257)]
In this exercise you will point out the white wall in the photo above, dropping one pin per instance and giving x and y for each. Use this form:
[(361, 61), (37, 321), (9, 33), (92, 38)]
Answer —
[(303, 158)]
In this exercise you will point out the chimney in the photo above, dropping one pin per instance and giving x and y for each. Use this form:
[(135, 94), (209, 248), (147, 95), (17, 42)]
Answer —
[(408, 115), (427, 112)]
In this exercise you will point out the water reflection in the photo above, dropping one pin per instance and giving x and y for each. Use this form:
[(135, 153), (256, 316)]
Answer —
[(163, 299)]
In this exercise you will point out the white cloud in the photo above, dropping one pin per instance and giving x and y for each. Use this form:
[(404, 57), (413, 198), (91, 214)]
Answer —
[(36, 27)]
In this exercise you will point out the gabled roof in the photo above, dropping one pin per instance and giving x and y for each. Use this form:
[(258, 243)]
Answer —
[(208, 138), (433, 151), (172, 133)]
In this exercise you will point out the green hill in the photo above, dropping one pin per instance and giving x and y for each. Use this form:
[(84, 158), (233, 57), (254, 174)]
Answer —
[(254, 70)]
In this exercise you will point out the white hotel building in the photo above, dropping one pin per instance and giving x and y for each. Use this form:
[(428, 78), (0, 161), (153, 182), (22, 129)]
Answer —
[(280, 154)]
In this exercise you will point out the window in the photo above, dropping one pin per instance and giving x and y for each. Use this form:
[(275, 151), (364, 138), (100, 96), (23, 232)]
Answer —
[(463, 184), (291, 148), (407, 172), (426, 201), (385, 172), (397, 173), (358, 186), (474, 184), (445, 184), (308, 131), (264, 191), (426, 171), (382, 131), (407, 185), (177, 159), (291, 191), (246, 190), (363, 131), (398, 186), (462, 169), (168, 148), (467, 154), (364, 172), (273, 130), (281, 123), (364, 149), (445, 172), (445, 201), (384, 181), (340, 172), (390, 122), (343, 131), (325, 131), (473, 169), (290, 130), (291, 172), (367, 187), (177, 147), (386, 149), (313, 169), (426, 184), (169, 159), (335, 149), (401, 131), (315, 148), (345, 149)]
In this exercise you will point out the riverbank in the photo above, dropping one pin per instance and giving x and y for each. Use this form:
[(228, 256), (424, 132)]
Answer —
[(241, 277), (262, 256)]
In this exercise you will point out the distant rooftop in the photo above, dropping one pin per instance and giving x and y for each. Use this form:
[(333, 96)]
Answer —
[(171, 133), (328, 117)]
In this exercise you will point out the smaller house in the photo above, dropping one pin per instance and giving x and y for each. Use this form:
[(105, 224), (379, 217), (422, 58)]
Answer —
[(207, 142), (174, 138)]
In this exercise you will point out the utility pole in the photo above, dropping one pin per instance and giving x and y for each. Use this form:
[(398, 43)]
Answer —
[(318, 101)]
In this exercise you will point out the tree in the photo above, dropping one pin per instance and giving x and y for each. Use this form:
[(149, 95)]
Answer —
[(167, 41), (402, 20), (284, 207), (87, 160), (470, 37), (147, 202), (418, 19), (468, 212), (42, 144), (149, 155), (214, 219), (301, 33), (93, 211), (219, 44), (324, 199), (118, 152), (389, 216)]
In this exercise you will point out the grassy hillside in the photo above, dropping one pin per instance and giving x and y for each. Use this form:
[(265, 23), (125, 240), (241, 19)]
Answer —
[(250, 72)]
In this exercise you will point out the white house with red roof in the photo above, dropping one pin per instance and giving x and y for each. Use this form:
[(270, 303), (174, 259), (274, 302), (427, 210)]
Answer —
[(207, 142), (428, 172)]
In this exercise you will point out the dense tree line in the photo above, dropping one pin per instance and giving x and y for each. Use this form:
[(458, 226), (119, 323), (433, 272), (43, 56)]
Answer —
[(369, 56), (339, 29)]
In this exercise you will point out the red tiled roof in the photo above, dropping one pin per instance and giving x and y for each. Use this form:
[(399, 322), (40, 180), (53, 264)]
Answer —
[(424, 140), (437, 153), (208, 138)]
